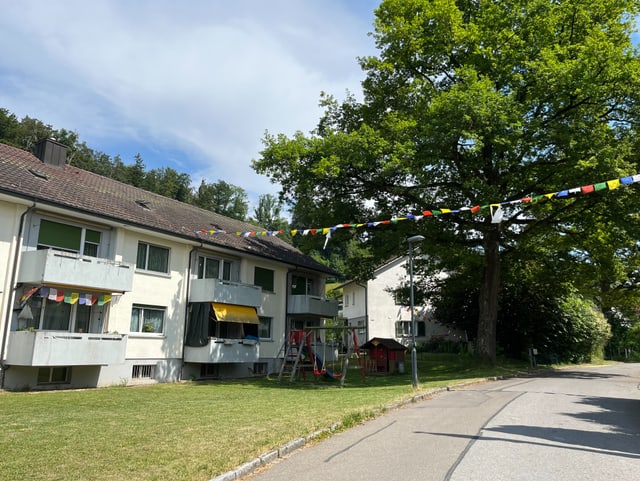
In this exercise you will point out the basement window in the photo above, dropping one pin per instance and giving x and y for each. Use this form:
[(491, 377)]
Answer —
[(54, 375), (143, 371)]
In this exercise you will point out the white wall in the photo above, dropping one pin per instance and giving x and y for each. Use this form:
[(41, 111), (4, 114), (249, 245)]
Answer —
[(274, 304), (383, 312), (154, 289), (10, 221)]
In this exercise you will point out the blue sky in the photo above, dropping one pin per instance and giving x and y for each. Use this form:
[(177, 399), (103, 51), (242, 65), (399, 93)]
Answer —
[(189, 85)]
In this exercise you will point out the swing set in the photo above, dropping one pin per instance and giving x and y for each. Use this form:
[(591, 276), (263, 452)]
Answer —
[(302, 352)]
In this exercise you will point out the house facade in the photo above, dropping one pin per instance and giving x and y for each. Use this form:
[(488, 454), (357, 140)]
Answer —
[(375, 309), (102, 283)]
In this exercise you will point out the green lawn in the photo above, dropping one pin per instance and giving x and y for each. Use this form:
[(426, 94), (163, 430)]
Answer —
[(192, 431)]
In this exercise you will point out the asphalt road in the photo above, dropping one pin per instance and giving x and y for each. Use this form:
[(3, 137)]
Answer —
[(577, 424)]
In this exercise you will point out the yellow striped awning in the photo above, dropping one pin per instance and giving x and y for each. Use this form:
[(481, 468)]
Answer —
[(235, 313)]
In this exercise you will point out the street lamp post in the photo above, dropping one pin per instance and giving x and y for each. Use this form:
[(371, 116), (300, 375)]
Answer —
[(414, 360)]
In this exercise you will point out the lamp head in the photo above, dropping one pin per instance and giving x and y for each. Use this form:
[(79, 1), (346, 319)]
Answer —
[(415, 238)]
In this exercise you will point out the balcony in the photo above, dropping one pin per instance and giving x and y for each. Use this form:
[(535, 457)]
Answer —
[(312, 305), (59, 348), (69, 269), (226, 292), (224, 351)]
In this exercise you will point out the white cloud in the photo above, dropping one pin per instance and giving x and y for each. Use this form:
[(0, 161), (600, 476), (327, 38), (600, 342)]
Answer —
[(202, 79)]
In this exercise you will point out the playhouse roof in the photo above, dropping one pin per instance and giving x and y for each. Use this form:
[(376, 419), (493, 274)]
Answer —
[(388, 343)]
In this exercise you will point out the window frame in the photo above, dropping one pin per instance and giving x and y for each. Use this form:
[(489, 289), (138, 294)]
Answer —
[(302, 285), (85, 240), (51, 370), (97, 316), (421, 328), (258, 281), (266, 323), (148, 246), (141, 321), (224, 269)]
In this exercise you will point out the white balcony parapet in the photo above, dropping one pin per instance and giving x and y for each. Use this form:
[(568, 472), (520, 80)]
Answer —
[(227, 292), (50, 266), (224, 351), (59, 348), (314, 305)]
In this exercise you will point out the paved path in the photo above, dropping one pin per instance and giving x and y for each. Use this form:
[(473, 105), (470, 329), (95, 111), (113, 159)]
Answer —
[(578, 424)]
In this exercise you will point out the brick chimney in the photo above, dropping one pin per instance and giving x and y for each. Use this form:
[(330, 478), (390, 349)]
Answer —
[(51, 152)]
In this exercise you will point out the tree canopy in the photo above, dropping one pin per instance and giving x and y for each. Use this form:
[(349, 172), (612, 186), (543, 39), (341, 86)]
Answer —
[(473, 102)]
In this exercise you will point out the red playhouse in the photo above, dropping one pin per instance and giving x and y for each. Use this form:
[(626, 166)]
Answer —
[(384, 356)]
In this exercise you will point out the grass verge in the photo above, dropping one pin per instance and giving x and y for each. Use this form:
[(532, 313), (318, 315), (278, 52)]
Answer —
[(194, 431)]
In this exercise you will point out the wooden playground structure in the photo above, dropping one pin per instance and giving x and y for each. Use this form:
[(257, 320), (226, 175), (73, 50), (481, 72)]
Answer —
[(308, 350)]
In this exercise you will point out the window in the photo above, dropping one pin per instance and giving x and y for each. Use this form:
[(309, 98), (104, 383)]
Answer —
[(264, 329), (209, 370), (263, 278), (54, 375), (91, 243), (260, 368), (401, 296), (147, 319), (83, 319), (212, 268), (403, 329), (301, 285), (303, 324), (57, 316), (69, 238), (152, 258), (422, 329), (60, 315)]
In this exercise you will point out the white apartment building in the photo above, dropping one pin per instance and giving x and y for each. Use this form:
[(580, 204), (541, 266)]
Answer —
[(102, 283), (378, 312)]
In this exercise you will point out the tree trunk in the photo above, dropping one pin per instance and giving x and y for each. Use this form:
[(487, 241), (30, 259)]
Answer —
[(489, 292)]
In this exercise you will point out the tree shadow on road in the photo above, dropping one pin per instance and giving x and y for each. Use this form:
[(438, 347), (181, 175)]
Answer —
[(578, 374), (616, 428)]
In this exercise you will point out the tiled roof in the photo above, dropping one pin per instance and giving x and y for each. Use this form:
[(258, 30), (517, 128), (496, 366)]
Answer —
[(24, 175)]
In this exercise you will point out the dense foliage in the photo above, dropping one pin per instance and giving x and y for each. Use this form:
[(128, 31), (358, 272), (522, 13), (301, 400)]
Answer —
[(477, 102)]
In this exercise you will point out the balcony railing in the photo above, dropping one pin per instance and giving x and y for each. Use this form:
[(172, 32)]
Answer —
[(59, 348), (224, 351), (312, 305), (64, 268), (227, 292)]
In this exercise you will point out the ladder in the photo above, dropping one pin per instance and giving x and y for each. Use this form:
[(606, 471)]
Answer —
[(293, 357)]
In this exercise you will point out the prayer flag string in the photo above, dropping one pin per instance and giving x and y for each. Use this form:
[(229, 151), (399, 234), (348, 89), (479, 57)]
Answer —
[(495, 210)]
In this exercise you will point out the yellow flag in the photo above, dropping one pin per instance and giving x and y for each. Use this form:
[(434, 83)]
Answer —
[(613, 184)]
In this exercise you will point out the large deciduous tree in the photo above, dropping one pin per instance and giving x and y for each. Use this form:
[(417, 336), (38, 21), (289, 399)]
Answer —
[(472, 102), (224, 198), (268, 212)]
